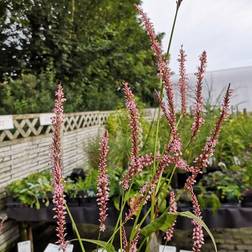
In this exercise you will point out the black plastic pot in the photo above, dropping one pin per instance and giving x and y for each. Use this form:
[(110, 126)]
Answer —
[(247, 198), (87, 213)]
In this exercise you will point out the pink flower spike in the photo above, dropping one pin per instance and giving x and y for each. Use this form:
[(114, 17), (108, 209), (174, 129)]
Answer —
[(198, 107), (103, 182), (134, 120), (136, 166), (208, 150), (56, 155), (162, 65), (132, 245), (182, 80), (172, 209)]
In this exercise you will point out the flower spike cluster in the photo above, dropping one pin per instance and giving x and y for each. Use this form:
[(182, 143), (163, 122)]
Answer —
[(56, 155), (103, 182), (183, 79), (173, 155), (198, 107)]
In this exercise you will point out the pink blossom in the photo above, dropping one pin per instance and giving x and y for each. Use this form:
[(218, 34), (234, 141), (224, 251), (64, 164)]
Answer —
[(102, 182), (136, 166), (198, 107), (56, 154), (163, 69), (172, 209), (134, 120), (182, 80), (132, 245), (207, 152)]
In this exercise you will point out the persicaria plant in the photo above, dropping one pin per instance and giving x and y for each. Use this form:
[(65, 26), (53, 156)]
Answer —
[(157, 163)]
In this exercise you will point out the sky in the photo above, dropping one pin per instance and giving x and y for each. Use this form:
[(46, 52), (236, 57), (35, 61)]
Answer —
[(221, 27)]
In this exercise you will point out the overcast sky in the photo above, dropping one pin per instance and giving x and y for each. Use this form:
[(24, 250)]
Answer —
[(221, 27)]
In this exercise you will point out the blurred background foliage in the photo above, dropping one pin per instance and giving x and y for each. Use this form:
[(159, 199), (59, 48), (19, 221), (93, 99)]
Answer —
[(90, 45)]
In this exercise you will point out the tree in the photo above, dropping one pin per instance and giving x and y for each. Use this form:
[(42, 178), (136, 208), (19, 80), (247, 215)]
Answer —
[(91, 46)]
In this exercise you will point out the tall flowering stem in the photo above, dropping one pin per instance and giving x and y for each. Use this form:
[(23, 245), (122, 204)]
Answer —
[(137, 163), (134, 120), (162, 65), (56, 155), (182, 80), (198, 107), (202, 161), (103, 182)]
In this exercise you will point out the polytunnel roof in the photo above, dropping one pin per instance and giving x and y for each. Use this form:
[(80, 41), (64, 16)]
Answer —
[(216, 82)]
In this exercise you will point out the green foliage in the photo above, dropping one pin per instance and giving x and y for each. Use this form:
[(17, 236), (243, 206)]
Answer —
[(32, 190), (162, 223), (36, 189), (227, 184), (91, 46), (209, 200), (28, 94), (235, 140)]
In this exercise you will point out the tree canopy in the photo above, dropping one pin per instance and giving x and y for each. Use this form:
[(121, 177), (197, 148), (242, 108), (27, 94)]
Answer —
[(91, 46)]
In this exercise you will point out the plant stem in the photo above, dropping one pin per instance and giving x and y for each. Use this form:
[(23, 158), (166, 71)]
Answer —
[(75, 228), (172, 30), (116, 229), (153, 198)]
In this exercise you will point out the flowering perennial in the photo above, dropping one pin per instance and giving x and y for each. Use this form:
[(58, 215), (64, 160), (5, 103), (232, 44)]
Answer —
[(171, 157), (103, 182), (56, 155)]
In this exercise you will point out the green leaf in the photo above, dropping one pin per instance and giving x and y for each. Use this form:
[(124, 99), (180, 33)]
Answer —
[(108, 247), (190, 215), (163, 223), (117, 203)]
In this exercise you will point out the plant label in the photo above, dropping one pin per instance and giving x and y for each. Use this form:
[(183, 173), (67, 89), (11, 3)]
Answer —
[(45, 119), (55, 248), (163, 248), (24, 246), (6, 122)]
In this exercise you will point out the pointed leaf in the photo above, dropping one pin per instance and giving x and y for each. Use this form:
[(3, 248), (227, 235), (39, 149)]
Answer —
[(192, 216), (163, 223), (108, 247)]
